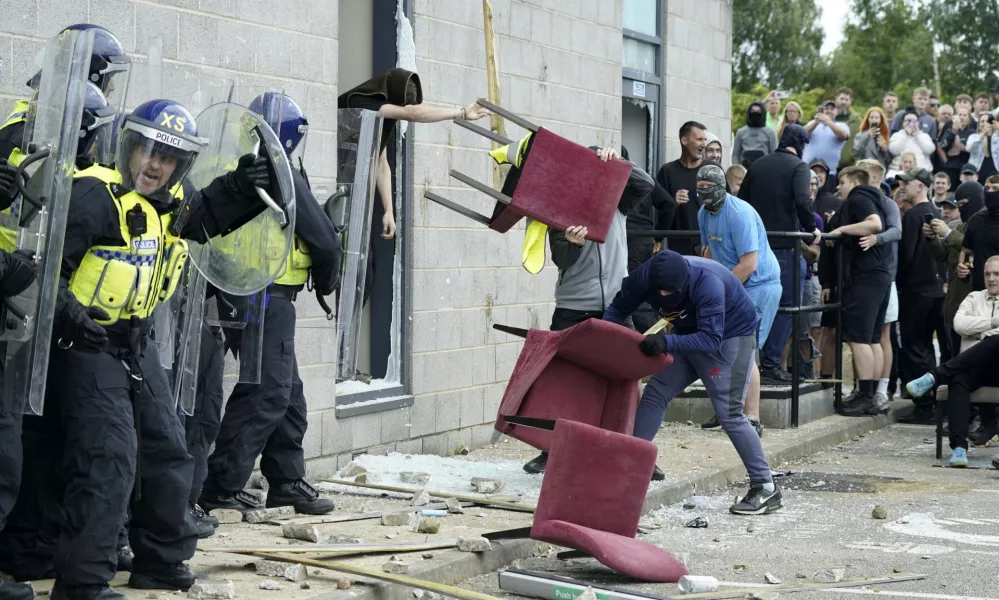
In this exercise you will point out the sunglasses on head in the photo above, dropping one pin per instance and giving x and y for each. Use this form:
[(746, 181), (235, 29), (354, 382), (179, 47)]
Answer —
[(935, 105)]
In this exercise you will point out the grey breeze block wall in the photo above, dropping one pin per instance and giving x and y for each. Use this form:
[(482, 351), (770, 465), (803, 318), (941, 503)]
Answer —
[(698, 71)]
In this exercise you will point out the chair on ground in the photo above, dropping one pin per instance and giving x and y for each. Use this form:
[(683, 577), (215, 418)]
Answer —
[(983, 395)]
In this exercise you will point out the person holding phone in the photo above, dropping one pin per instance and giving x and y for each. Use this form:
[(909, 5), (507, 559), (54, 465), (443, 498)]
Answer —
[(919, 279), (982, 146)]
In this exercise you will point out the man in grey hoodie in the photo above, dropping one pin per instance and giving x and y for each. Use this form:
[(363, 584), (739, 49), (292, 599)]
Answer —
[(590, 274), (754, 140)]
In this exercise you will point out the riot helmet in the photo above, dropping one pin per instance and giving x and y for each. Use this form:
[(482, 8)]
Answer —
[(157, 146), (97, 129), (284, 117), (107, 58)]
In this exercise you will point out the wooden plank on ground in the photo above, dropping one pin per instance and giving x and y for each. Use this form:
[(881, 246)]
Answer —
[(483, 500)]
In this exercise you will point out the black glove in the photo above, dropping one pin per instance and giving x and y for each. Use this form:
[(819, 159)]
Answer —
[(252, 172), (16, 273), (653, 344), (75, 324), (8, 184)]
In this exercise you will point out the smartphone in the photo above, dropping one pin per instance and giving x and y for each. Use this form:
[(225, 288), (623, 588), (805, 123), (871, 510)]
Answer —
[(927, 219)]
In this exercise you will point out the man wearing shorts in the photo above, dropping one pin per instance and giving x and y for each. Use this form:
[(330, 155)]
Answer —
[(733, 233), (714, 340), (888, 239), (867, 289)]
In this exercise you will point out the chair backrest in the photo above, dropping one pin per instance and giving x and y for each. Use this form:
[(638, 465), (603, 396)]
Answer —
[(596, 478)]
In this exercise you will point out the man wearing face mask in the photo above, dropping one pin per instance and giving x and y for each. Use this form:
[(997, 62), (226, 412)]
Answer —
[(981, 238), (714, 340), (734, 235), (945, 245), (754, 140)]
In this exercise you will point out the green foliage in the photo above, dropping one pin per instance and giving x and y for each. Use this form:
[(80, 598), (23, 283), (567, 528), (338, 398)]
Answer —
[(776, 42), (808, 99), (967, 33)]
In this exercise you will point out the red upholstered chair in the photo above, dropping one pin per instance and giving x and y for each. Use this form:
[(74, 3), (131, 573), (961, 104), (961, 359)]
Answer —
[(592, 496), (561, 184), (588, 373)]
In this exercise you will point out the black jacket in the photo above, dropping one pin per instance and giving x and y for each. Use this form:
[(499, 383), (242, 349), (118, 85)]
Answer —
[(655, 212), (777, 186), (313, 226), (918, 270)]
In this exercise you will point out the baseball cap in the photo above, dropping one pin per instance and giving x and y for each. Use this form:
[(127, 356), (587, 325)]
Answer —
[(921, 175), (829, 103), (969, 168), (948, 199)]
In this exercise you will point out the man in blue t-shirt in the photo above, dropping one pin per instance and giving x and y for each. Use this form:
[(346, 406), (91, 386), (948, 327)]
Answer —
[(734, 235), (714, 340)]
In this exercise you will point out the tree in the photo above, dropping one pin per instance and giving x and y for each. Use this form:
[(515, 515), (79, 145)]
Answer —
[(967, 34), (775, 42), (887, 45)]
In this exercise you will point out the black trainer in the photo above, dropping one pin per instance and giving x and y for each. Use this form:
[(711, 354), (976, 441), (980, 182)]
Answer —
[(922, 415), (207, 518), (299, 494), (161, 577), (124, 560), (538, 464), (84, 592), (757, 502), (774, 376), (204, 528), (16, 591), (995, 463), (985, 433), (714, 423), (657, 474), (240, 501), (861, 406)]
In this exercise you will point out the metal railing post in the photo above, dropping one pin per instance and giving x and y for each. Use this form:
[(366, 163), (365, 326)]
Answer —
[(795, 330), (840, 252)]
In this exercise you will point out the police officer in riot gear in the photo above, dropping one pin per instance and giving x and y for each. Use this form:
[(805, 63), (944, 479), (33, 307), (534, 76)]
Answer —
[(269, 418), (124, 254)]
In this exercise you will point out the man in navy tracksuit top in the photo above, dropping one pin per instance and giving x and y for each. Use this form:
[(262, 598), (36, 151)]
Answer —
[(714, 340)]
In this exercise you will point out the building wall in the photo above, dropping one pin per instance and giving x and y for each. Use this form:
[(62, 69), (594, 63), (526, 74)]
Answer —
[(698, 71), (560, 66)]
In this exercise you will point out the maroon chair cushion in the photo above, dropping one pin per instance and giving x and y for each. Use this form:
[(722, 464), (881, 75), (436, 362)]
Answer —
[(587, 373), (563, 184), (592, 498)]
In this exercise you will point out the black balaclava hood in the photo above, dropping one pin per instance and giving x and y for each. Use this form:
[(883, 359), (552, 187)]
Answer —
[(390, 86), (754, 119), (975, 193), (992, 205), (796, 137), (669, 271)]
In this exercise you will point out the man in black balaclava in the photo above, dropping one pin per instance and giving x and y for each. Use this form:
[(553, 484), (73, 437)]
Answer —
[(981, 238), (755, 140)]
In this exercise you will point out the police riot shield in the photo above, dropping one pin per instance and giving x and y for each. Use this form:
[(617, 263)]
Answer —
[(242, 321), (247, 260), (187, 357), (57, 112), (358, 143)]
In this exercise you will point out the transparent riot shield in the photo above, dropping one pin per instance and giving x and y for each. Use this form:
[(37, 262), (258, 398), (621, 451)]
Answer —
[(247, 260), (188, 355), (57, 112), (242, 321), (358, 136)]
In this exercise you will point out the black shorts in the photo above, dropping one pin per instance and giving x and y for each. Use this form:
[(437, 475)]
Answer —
[(864, 307)]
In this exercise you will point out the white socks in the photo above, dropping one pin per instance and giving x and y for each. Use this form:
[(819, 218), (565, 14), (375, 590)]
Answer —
[(883, 386), (769, 486)]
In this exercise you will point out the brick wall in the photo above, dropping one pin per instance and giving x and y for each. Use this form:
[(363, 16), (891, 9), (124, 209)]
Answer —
[(698, 73)]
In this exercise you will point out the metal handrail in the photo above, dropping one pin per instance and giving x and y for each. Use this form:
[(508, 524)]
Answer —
[(793, 310)]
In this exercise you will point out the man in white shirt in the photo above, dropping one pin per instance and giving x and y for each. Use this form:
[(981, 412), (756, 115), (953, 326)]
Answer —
[(826, 137), (977, 321)]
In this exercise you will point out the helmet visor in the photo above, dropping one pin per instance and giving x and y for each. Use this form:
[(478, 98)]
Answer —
[(150, 163)]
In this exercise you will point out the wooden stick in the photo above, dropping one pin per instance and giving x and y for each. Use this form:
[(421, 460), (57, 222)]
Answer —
[(325, 519), (336, 548), (485, 501), (496, 122), (805, 587), (430, 586)]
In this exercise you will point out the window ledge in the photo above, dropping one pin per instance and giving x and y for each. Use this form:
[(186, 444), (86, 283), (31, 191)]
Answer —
[(373, 401)]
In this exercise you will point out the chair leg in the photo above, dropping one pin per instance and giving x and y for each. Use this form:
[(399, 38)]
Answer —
[(938, 408)]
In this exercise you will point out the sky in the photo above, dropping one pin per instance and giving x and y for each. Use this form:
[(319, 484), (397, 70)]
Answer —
[(833, 18)]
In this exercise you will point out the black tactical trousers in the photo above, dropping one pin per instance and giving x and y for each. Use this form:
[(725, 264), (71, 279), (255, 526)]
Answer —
[(93, 407), (266, 419), (10, 463), (202, 427)]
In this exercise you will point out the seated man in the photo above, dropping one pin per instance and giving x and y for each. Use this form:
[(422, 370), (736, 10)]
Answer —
[(714, 340), (977, 321), (734, 235)]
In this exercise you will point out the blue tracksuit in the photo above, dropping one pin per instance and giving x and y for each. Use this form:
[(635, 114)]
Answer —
[(713, 339)]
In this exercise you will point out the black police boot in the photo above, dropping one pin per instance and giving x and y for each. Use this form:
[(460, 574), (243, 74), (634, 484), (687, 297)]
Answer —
[(16, 591), (84, 592), (124, 560), (299, 494), (537, 465), (204, 528), (240, 501), (207, 518), (161, 577)]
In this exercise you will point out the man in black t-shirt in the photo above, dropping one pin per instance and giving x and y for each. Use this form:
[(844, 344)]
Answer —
[(866, 292), (679, 179), (920, 280)]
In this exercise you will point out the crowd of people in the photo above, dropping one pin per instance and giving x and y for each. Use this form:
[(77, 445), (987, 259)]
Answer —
[(912, 197)]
